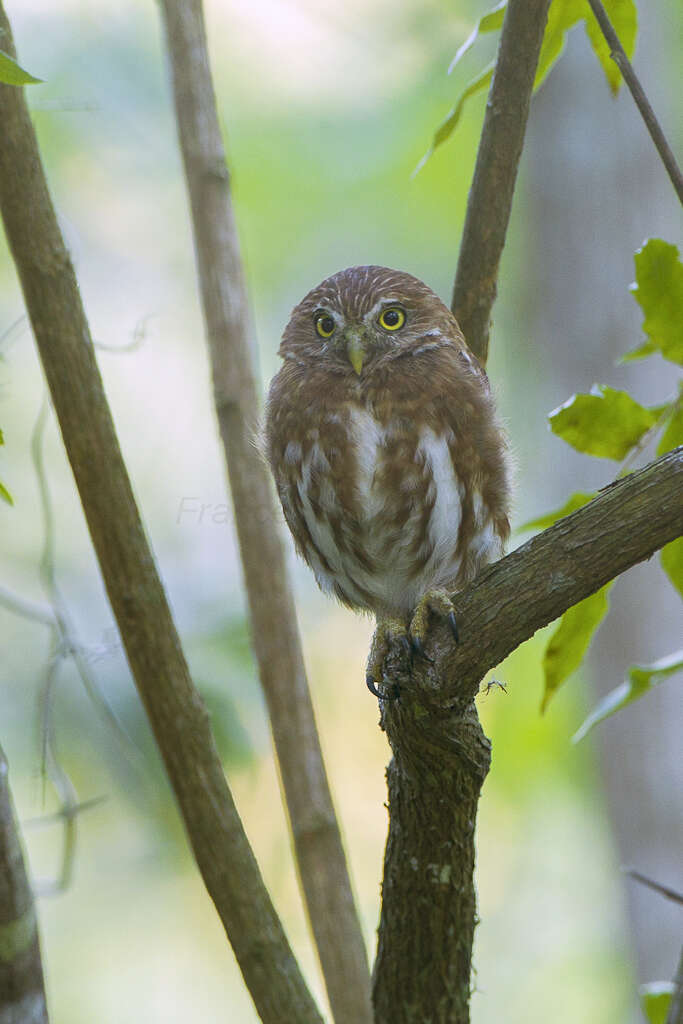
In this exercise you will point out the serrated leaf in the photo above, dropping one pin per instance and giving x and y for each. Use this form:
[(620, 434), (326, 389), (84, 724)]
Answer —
[(571, 640), (658, 290), (12, 74), (5, 495), (641, 679), (624, 18), (671, 557), (447, 127), (488, 22), (576, 501), (673, 435), (655, 998), (606, 423)]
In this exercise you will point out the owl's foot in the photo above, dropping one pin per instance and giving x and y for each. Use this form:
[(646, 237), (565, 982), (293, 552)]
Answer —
[(437, 602), (387, 633)]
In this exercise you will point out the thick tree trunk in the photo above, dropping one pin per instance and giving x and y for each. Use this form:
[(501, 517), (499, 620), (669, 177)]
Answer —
[(429, 907)]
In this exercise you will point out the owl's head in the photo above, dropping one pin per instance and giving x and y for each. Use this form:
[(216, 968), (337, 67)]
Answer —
[(363, 314)]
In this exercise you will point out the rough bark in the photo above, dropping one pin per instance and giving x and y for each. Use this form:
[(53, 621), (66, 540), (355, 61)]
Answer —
[(495, 173), (441, 756), (275, 637), (176, 712), (22, 987), (422, 971)]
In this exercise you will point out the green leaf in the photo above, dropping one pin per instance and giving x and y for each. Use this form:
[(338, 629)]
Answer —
[(655, 998), (671, 557), (571, 639), (487, 23), (576, 501), (646, 349), (673, 435), (12, 74), (4, 493), (624, 18), (447, 127), (606, 423), (658, 289), (562, 15), (641, 679)]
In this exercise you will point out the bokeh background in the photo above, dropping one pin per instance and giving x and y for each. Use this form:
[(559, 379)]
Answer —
[(327, 109)]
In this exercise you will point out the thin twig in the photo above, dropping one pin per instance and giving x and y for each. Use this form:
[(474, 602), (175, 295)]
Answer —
[(495, 173), (322, 866), (47, 820), (26, 608), (618, 55), (68, 644), (663, 890), (175, 709)]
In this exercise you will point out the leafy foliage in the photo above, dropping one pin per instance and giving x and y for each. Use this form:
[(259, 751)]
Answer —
[(562, 16), (4, 493), (671, 558), (641, 679), (655, 999), (673, 435), (658, 289), (571, 640), (447, 127), (12, 74), (575, 502), (606, 423)]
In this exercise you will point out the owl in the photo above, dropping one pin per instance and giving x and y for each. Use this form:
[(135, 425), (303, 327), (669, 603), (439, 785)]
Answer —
[(389, 461)]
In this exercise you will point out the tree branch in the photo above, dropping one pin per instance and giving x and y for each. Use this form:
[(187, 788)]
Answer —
[(440, 753), (322, 865), (625, 524), (175, 710), (22, 987), (495, 173), (618, 55)]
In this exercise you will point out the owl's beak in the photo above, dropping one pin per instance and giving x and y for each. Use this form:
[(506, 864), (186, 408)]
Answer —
[(355, 350)]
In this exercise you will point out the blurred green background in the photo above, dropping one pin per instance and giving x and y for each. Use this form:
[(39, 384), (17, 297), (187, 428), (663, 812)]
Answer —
[(327, 109)]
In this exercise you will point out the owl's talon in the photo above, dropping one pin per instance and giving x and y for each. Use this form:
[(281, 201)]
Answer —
[(437, 602), (405, 643), (417, 646), (393, 695), (388, 632)]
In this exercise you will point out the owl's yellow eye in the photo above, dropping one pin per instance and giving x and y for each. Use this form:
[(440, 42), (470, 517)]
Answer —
[(324, 325), (392, 319)]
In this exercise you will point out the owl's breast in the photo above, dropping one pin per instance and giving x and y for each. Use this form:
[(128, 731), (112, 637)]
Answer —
[(378, 508)]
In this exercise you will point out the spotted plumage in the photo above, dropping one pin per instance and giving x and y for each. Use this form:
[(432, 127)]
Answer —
[(382, 437)]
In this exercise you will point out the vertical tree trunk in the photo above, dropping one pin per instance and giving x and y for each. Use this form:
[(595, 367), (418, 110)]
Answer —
[(422, 972), (22, 989)]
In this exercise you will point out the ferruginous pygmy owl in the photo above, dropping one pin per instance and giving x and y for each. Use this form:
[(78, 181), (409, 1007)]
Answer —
[(388, 458)]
